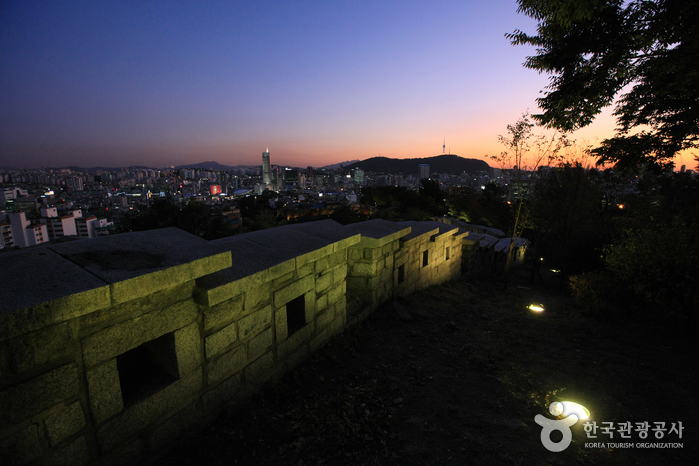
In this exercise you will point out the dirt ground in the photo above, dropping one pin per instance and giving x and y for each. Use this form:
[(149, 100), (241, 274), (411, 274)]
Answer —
[(455, 375)]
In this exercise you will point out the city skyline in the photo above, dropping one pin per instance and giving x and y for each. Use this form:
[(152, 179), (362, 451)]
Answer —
[(162, 84)]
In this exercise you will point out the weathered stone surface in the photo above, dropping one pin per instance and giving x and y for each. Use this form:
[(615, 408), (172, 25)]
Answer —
[(378, 232), (119, 338), (142, 414), (323, 282), (21, 446), (63, 424), (322, 320), (174, 427), (336, 293), (187, 348), (256, 295), (331, 261), (364, 269), (294, 341), (220, 340), (39, 347), (139, 263), (322, 302), (25, 308), (260, 343), (223, 313), (226, 364), (294, 290), (259, 367), (104, 391), (253, 323), (24, 400), (339, 273), (280, 324), (74, 454)]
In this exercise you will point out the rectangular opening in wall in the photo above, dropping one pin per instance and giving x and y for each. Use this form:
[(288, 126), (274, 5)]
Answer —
[(401, 274), (295, 314), (147, 369), (446, 253), (425, 258)]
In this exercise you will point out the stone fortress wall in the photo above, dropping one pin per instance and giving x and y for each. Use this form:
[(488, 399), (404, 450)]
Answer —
[(112, 348)]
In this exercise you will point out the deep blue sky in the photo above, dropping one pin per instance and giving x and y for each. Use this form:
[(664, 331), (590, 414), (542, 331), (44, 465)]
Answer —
[(171, 82)]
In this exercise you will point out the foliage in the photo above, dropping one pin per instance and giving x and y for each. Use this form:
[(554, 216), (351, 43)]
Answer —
[(654, 264), (486, 206), (526, 152), (195, 217), (659, 266), (399, 203), (595, 50), (569, 226)]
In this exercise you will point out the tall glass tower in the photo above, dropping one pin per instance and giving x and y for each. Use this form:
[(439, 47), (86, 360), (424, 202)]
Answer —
[(266, 168)]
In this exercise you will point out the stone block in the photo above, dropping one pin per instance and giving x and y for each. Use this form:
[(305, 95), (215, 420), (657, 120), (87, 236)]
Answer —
[(141, 415), (226, 364), (256, 296), (386, 274), (355, 254), (333, 260), (187, 347), (336, 293), (222, 393), (258, 368), (225, 312), (255, 322), (356, 283), (341, 307), (339, 273), (283, 280), (260, 343), (57, 299), (294, 341), (121, 337), (306, 269), (167, 432), (293, 290), (322, 302), (66, 422), (323, 282), (40, 347), (372, 254), (22, 446), (220, 340), (323, 319), (74, 454), (364, 269), (104, 389), (280, 324), (24, 400), (313, 255)]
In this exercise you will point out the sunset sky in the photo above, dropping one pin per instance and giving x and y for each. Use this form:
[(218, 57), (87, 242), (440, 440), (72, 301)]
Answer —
[(171, 82)]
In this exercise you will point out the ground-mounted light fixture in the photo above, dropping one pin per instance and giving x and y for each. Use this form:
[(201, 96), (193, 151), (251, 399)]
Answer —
[(536, 307), (566, 408)]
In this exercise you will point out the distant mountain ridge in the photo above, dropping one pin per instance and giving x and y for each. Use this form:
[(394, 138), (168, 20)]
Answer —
[(445, 163)]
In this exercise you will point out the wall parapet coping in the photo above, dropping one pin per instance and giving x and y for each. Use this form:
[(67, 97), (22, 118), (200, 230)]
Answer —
[(265, 255), (54, 283), (378, 232)]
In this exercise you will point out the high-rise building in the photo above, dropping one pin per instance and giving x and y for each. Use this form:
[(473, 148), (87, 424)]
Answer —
[(424, 171), (359, 176), (266, 169)]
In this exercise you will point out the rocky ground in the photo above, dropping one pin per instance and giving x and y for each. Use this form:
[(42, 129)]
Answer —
[(455, 375)]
